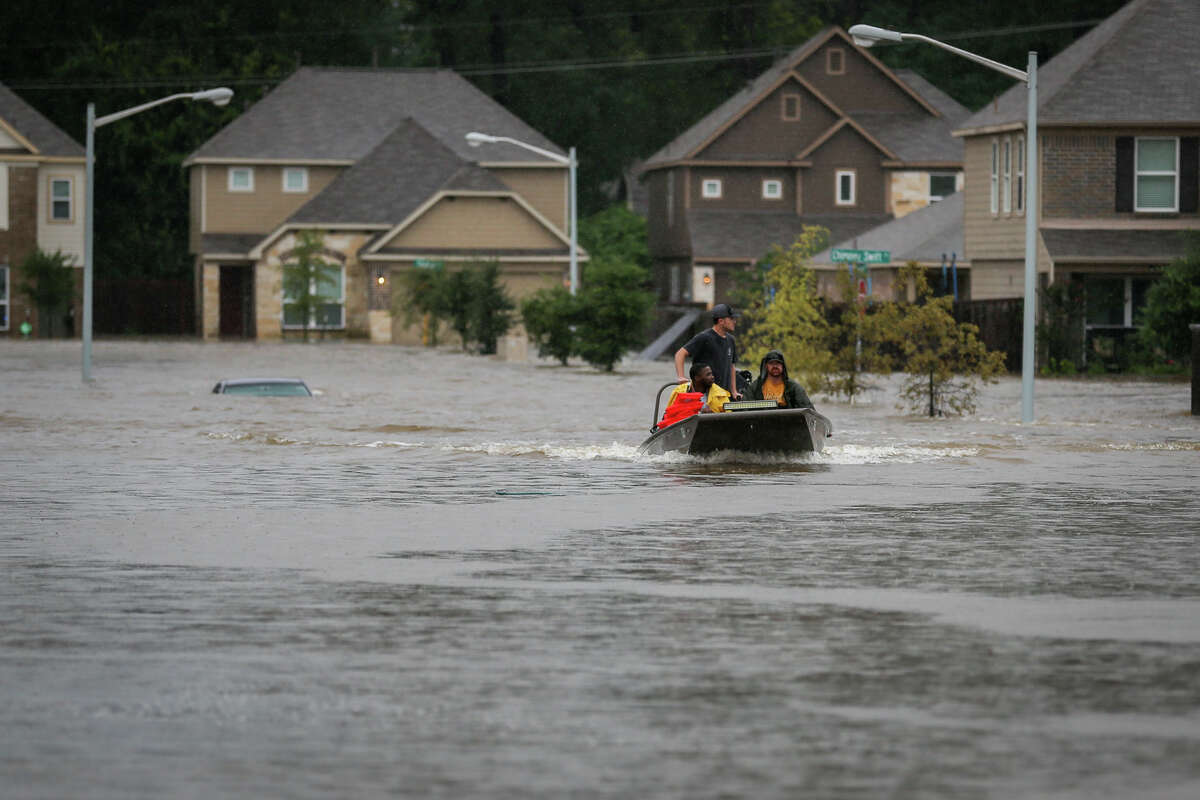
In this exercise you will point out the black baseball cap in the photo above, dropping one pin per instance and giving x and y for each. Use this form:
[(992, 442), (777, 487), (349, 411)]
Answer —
[(722, 310)]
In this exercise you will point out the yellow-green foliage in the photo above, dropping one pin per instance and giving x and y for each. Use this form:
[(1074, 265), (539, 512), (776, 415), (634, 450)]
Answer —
[(791, 320)]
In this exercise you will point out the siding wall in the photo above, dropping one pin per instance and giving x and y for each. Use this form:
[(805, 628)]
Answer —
[(65, 236), (846, 150), (763, 135), (987, 237), (545, 189), (476, 222), (741, 188), (263, 209), (862, 88)]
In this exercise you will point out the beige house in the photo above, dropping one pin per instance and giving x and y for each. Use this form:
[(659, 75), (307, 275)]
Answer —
[(41, 205), (827, 136), (1118, 166), (378, 162)]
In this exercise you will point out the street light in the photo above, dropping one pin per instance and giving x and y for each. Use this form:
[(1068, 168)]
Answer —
[(218, 97), (475, 139), (867, 35)]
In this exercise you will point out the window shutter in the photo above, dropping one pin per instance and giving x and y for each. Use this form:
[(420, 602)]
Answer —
[(1189, 174), (1124, 173)]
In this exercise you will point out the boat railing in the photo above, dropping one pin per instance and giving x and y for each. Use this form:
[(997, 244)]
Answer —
[(658, 399)]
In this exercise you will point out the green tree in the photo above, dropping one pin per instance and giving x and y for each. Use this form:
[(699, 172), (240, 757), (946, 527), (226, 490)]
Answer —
[(491, 308), (309, 283), (943, 359), (858, 341), (48, 283), (419, 300), (454, 296), (787, 314), (614, 310), (550, 316), (1173, 303), (616, 234)]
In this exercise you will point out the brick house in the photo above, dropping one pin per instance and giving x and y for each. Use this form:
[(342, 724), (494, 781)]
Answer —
[(1119, 166), (827, 136), (377, 160), (41, 205)]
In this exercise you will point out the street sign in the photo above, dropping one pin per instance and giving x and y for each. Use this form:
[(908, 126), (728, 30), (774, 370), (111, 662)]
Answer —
[(862, 256), (427, 263)]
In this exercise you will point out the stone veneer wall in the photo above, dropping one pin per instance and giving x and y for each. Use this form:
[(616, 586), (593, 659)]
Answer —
[(268, 285)]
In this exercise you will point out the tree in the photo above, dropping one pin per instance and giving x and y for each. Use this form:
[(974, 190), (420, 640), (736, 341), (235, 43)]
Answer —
[(308, 283), (944, 360), (858, 341), (613, 311), (1172, 303), (787, 314), (420, 298), (48, 283), (490, 306), (454, 297), (550, 316)]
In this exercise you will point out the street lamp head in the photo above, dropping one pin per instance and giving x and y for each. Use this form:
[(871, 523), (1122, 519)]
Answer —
[(474, 138), (218, 97), (868, 35)]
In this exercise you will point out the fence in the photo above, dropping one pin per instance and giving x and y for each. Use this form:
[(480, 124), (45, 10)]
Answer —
[(1000, 324), (146, 306)]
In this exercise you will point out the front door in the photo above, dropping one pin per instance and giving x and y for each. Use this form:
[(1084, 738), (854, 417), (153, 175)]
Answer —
[(237, 301)]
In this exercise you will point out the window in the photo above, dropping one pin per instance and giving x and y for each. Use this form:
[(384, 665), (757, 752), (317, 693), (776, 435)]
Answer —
[(328, 287), (790, 111), (61, 206), (1006, 167), (1019, 188), (772, 189), (671, 199), (942, 186), (241, 179), (710, 188), (835, 61), (995, 188), (845, 187), (295, 179), (3, 297), (1115, 302), (1156, 171)]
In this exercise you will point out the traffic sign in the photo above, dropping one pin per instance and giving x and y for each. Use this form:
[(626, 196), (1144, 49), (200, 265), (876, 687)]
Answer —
[(427, 263), (861, 256)]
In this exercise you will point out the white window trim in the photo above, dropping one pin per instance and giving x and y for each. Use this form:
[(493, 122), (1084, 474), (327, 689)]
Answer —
[(1006, 175), (714, 184), (1138, 173), (778, 186), (837, 188), (6, 318), (241, 189), (3, 196), (783, 107), (829, 70), (994, 192), (312, 322), (283, 182), (1019, 188), (50, 181)]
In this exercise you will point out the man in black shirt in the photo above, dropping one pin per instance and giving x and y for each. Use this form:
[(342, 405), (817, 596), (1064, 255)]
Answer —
[(716, 347)]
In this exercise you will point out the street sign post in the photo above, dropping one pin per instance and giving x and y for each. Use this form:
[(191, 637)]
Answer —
[(861, 256)]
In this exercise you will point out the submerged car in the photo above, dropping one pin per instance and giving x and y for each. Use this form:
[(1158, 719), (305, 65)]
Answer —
[(264, 387)]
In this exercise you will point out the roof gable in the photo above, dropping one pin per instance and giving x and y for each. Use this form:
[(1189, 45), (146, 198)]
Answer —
[(31, 132), (484, 221)]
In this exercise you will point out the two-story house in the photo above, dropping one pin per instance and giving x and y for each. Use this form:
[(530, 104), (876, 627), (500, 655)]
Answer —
[(41, 204), (378, 162), (1118, 164), (827, 136)]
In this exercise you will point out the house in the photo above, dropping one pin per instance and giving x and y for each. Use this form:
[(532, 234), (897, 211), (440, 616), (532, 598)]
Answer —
[(1118, 163), (827, 136), (41, 205), (378, 162)]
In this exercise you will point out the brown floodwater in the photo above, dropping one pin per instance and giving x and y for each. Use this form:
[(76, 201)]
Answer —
[(452, 576)]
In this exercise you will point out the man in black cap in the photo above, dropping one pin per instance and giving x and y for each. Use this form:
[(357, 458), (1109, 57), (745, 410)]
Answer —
[(715, 347)]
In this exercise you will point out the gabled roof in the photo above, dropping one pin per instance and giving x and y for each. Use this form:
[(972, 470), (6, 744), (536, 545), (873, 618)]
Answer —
[(340, 115), (32, 130), (709, 126), (925, 235), (1138, 66)]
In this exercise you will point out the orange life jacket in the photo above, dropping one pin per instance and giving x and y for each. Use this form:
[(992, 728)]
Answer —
[(686, 404)]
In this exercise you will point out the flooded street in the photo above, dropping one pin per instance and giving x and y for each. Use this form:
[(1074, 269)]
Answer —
[(452, 577)]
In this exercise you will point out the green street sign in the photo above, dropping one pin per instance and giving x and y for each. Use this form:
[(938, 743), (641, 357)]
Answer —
[(862, 256), (427, 263)]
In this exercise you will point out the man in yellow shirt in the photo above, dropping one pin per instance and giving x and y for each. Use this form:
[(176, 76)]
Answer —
[(704, 382)]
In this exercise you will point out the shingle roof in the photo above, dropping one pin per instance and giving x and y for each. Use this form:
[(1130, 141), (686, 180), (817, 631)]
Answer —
[(48, 138), (393, 180), (1108, 244), (750, 234), (1139, 65), (229, 243), (925, 235), (343, 114)]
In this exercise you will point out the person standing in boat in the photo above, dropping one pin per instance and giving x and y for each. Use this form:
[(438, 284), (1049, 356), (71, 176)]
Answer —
[(773, 383), (700, 395), (715, 347)]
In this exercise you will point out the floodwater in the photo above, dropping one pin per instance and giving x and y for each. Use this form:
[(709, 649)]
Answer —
[(452, 577)]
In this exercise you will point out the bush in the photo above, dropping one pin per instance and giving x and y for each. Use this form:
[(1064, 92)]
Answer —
[(1172, 303), (550, 316), (613, 312)]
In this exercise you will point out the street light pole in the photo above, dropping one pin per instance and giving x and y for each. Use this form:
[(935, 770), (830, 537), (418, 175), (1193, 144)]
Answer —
[(868, 35), (217, 97), (475, 139)]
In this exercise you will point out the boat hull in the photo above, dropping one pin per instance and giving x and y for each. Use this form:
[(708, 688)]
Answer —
[(792, 430)]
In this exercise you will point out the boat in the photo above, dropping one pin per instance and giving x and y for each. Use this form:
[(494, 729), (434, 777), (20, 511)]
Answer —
[(746, 426)]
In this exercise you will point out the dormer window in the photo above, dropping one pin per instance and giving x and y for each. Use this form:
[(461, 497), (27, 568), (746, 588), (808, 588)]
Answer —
[(295, 179), (835, 61), (790, 111), (710, 188), (241, 179)]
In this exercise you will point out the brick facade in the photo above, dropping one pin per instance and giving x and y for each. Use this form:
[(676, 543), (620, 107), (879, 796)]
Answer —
[(1078, 175), (19, 240)]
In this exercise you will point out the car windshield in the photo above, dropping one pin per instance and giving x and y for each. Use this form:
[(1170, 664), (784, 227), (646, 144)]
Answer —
[(269, 389)]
